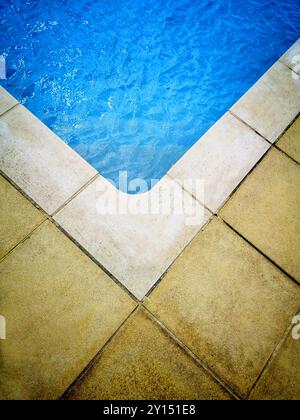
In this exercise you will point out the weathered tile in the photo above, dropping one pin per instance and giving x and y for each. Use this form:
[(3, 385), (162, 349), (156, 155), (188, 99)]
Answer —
[(290, 141), (227, 303), (18, 217), (143, 363), (6, 101), (44, 167), (221, 159), (281, 379), (60, 309), (292, 57), (136, 248), (266, 210), (272, 103)]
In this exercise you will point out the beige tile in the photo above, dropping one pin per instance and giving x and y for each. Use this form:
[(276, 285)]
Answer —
[(266, 210), (221, 159), (38, 161), (292, 57), (227, 303), (290, 141), (60, 309), (143, 363), (136, 248), (18, 217), (281, 380), (272, 103), (6, 101)]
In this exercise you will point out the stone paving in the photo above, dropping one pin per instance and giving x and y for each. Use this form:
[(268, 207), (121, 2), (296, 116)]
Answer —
[(183, 312)]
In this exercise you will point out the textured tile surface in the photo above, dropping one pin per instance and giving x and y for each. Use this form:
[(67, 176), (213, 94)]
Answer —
[(60, 309), (143, 363), (272, 103), (227, 303), (6, 101), (136, 248), (44, 167), (222, 158), (290, 141), (266, 210), (281, 380), (18, 217), (292, 57)]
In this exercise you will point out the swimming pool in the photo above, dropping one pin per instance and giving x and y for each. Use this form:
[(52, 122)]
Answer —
[(132, 85)]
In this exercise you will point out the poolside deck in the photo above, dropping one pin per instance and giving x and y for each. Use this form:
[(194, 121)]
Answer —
[(198, 312)]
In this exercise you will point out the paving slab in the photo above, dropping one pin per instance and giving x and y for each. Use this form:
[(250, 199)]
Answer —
[(38, 162), (281, 379), (290, 141), (142, 362), (272, 103), (18, 217), (6, 101), (226, 303), (136, 247), (60, 309), (220, 159), (292, 57), (266, 210)]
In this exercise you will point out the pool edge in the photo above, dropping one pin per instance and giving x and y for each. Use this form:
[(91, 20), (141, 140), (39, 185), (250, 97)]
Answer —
[(60, 199)]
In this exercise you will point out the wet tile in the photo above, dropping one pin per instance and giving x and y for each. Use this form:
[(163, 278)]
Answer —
[(142, 362), (292, 57), (60, 309), (281, 380), (135, 238), (221, 159), (290, 141), (6, 101), (272, 103), (266, 209), (36, 160), (18, 217), (227, 303)]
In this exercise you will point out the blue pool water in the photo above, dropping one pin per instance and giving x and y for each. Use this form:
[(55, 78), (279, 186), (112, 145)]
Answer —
[(133, 84)]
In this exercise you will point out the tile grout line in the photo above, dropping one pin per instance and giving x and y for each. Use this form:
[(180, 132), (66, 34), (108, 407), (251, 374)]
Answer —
[(13, 107), (287, 127), (36, 205), (189, 352), (231, 112), (288, 66), (272, 357), (95, 261), (285, 154), (273, 144), (190, 193), (175, 259), (23, 193), (289, 276), (79, 379), (23, 240), (87, 184)]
